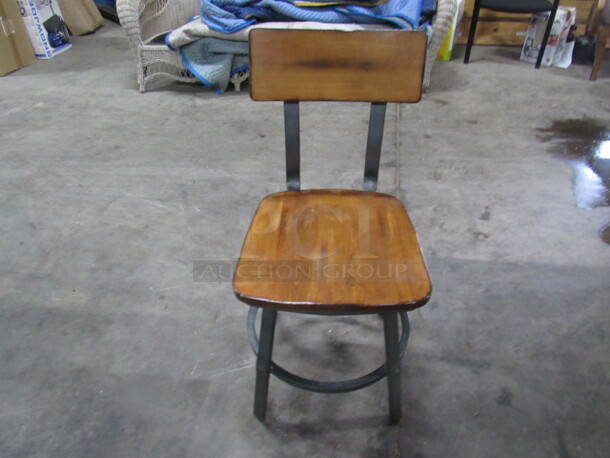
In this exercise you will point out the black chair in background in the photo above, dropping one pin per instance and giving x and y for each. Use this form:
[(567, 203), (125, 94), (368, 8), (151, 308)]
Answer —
[(517, 7)]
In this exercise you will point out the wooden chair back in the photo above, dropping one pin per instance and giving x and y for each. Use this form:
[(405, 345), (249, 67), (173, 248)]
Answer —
[(327, 65)]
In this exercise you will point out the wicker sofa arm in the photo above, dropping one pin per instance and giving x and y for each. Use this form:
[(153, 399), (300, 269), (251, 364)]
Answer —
[(129, 17), (144, 20), (445, 12)]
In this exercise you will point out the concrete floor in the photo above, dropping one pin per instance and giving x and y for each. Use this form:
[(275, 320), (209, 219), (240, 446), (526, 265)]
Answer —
[(108, 348)]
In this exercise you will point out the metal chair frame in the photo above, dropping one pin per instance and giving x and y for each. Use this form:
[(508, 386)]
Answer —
[(395, 345), (475, 19)]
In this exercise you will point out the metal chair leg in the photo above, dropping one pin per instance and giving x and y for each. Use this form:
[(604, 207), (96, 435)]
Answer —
[(473, 29), (547, 33), (390, 328), (263, 363)]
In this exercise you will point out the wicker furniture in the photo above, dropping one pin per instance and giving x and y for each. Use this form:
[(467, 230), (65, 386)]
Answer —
[(146, 21)]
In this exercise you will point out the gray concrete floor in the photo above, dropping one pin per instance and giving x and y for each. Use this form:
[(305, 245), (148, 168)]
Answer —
[(108, 348)]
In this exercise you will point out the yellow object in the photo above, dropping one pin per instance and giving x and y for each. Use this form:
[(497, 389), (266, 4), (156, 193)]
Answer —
[(444, 52), (446, 49)]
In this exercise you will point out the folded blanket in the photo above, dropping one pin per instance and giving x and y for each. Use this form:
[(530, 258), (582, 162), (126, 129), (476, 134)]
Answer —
[(213, 57), (224, 15), (214, 47), (196, 29), (319, 3), (214, 61)]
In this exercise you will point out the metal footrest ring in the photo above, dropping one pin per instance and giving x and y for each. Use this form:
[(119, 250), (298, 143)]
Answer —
[(328, 387)]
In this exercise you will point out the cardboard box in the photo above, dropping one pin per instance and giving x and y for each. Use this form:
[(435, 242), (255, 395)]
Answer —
[(556, 45), (16, 50), (446, 49), (46, 27), (82, 16)]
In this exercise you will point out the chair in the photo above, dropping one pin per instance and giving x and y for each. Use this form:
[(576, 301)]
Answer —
[(329, 251), (601, 18), (513, 6)]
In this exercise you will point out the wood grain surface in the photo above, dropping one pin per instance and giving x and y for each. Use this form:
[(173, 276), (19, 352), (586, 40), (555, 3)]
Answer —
[(367, 66), (332, 250)]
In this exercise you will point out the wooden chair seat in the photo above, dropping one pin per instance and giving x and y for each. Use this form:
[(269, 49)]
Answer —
[(332, 251)]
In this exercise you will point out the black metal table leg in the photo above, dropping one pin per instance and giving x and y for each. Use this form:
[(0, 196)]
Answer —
[(390, 327), (263, 363)]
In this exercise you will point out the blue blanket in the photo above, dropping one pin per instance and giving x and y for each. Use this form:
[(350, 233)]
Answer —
[(228, 16), (213, 61)]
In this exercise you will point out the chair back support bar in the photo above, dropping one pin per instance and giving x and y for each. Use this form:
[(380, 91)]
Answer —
[(328, 65), (373, 146), (292, 135)]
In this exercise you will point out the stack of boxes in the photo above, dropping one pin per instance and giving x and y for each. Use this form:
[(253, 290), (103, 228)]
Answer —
[(16, 50), (31, 29)]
